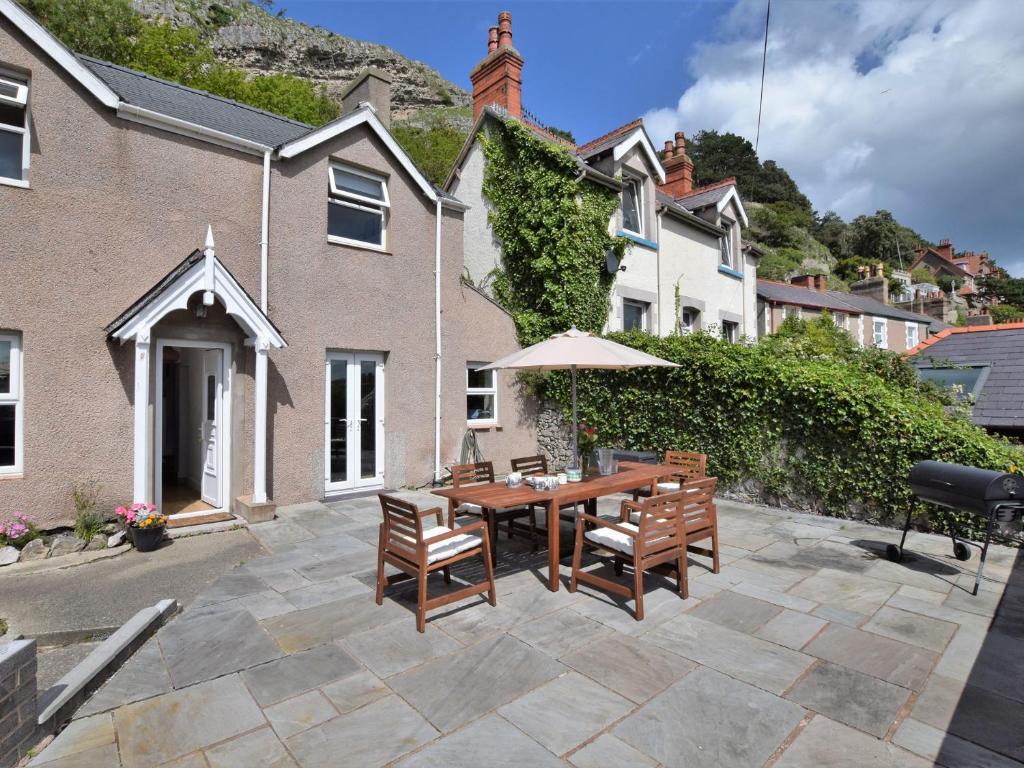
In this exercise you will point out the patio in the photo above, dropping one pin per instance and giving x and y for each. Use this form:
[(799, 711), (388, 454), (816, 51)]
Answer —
[(809, 648)]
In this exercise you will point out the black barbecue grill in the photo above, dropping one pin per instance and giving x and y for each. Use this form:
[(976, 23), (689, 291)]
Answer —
[(996, 496)]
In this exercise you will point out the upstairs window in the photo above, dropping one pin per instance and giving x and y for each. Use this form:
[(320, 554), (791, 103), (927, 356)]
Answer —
[(357, 209), (880, 332), (634, 315), (481, 396), (14, 133), (726, 244), (633, 206), (912, 335)]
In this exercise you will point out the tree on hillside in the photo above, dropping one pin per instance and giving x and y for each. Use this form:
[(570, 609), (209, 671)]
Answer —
[(882, 238), (830, 230), (1008, 290), (776, 186), (719, 155)]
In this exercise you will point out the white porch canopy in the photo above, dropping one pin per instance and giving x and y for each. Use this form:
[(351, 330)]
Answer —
[(202, 272)]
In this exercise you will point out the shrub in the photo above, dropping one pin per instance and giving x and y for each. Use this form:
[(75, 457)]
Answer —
[(18, 531), (820, 426), (88, 522)]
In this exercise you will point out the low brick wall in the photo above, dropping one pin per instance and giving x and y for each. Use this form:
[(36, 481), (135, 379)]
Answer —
[(19, 731)]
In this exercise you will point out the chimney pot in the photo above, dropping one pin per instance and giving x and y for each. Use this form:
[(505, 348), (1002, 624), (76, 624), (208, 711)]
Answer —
[(669, 148), (680, 141), (504, 29), (492, 39)]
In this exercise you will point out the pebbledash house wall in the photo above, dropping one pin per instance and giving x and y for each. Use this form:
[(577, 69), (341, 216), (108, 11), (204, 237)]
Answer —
[(858, 326), (113, 206)]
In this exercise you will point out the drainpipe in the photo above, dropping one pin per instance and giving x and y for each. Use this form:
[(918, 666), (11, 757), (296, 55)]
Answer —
[(437, 343), (265, 232)]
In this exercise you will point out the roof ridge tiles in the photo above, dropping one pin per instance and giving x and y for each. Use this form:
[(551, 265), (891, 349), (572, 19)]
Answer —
[(728, 181), (626, 128)]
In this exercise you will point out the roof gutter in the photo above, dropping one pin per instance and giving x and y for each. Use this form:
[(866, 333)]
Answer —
[(192, 130)]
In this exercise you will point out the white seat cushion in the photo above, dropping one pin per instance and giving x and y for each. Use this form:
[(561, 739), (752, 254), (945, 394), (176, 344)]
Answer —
[(668, 487), (612, 539), (469, 509), (442, 550)]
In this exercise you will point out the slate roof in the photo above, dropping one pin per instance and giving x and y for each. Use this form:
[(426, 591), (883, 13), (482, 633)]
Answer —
[(691, 218), (610, 139), (850, 303), (199, 107), (705, 196), (1000, 403)]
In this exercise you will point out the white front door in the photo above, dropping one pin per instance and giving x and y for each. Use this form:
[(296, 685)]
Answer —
[(354, 421), (210, 427)]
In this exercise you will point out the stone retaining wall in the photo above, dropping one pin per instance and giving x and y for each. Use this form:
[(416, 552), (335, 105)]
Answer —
[(19, 731), (553, 436)]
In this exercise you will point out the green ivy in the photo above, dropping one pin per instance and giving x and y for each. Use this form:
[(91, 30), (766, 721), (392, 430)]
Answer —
[(552, 224), (835, 432)]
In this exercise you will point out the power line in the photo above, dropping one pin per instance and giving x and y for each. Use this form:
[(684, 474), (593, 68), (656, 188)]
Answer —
[(764, 61)]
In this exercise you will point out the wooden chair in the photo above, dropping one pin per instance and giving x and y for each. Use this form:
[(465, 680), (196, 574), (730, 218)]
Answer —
[(691, 466), (531, 466), (483, 472), (656, 539), (699, 514), (418, 550)]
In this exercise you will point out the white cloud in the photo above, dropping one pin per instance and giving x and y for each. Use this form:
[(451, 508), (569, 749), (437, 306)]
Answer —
[(913, 106)]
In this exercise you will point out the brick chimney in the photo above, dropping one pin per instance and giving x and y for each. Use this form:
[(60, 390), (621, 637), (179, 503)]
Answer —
[(872, 282), (678, 168), (945, 249), (498, 79), (813, 282), (373, 86)]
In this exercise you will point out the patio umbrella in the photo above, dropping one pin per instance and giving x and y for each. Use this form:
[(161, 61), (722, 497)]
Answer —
[(577, 349)]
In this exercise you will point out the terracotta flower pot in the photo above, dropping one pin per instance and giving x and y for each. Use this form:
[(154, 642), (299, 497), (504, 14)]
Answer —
[(147, 539)]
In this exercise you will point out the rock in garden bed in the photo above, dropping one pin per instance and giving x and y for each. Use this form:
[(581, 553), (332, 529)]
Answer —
[(65, 544), (37, 549), (8, 555)]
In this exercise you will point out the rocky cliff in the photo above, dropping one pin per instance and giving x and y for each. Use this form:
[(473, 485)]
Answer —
[(244, 34)]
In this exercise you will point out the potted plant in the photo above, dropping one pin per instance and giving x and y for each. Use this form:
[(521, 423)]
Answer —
[(145, 525), (587, 441)]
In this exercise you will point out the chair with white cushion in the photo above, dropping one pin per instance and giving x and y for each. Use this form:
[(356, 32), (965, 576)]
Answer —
[(656, 539), (700, 516), (417, 549), (689, 466), (483, 472)]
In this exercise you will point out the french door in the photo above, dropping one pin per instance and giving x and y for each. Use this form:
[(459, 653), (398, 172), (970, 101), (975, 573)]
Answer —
[(354, 421), (210, 428)]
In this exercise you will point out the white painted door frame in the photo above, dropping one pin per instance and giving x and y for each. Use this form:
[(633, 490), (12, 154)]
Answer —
[(225, 419), (355, 424)]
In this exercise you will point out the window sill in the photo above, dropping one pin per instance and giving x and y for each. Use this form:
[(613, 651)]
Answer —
[(637, 239), (730, 271), (483, 426), (21, 183), (19, 475), (333, 240)]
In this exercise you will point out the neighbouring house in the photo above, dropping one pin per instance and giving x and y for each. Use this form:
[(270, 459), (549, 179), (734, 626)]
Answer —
[(215, 309), (686, 269), (869, 321), (985, 363), (963, 268)]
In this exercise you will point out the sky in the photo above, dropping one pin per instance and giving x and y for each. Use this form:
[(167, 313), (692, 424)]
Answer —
[(915, 106)]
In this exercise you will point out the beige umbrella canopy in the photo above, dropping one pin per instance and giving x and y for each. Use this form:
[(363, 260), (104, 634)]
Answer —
[(577, 349)]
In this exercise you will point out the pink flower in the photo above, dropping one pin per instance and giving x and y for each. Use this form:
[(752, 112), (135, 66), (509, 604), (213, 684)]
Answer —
[(151, 507), (21, 516), (3, 530)]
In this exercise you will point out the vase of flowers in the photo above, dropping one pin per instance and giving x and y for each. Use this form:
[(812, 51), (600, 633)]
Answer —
[(587, 440), (144, 524)]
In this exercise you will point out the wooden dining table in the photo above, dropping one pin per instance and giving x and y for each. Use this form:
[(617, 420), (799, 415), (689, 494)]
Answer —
[(492, 496)]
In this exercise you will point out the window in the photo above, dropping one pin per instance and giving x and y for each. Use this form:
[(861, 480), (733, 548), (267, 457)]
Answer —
[(912, 335), (358, 208), (14, 132), (840, 320), (880, 332), (481, 395), (730, 331), (726, 244), (634, 315), (633, 206), (965, 382), (10, 404), (689, 320), (792, 311)]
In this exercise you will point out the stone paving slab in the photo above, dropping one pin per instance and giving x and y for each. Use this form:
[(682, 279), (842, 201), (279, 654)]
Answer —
[(300, 713), (491, 742), (791, 629), (607, 751), (259, 748), (285, 677), (947, 750), (850, 697), (880, 657), (560, 633), (736, 611), (907, 627), (851, 592), (391, 649), (825, 742), (708, 720), (564, 713)]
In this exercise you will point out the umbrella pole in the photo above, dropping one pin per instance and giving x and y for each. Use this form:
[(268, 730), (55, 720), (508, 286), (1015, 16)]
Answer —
[(575, 423)]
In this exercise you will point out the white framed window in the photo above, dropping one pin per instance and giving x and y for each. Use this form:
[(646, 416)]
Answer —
[(730, 331), (634, 315), (357, 207), (10, 404), (880, 332), (633, 206), (481, 396), (840, 320), (726, 244), (15, 136), (912, 335), (792, 311), (689, 320)]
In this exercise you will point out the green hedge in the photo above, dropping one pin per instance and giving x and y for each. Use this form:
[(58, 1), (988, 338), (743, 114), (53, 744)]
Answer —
[(835, 432)]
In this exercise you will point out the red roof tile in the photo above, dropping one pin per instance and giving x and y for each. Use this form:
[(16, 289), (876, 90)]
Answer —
[(730, 181)]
